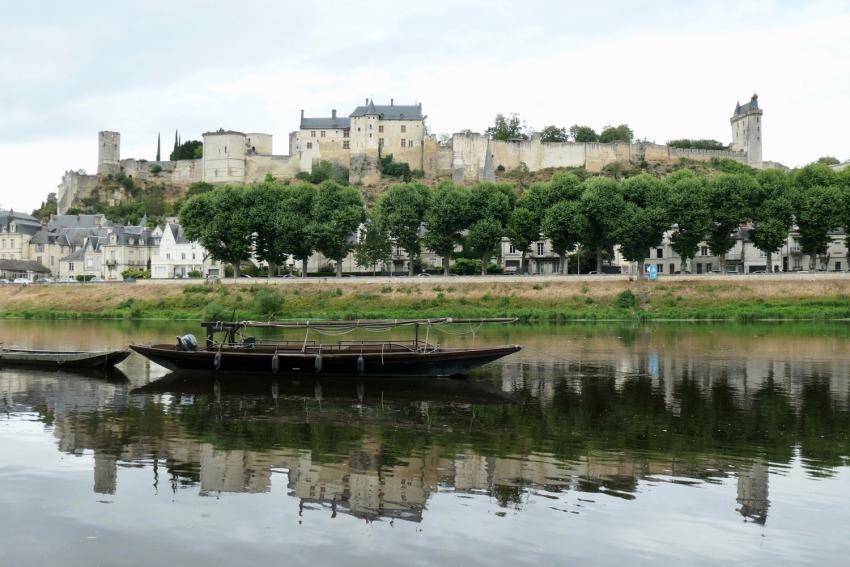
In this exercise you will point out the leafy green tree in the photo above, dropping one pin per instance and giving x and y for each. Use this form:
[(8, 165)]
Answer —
[(564, 225), (553, 134), (296, 223), (815, 175), (771, 223), (269, 207), (696, 144), (402, 211), (583, 134), (523, 229), (728, 198), (193, 149), (373, 247), (446, 218), (220, 221), (621, 133), (639, 229), (483, 237), (337, 212), (507, 128), (565, 187), (772, 211), (644, 218), (490, 206), (688, 207), (601, 204), (819, 212), (47, 208), (828, 160)]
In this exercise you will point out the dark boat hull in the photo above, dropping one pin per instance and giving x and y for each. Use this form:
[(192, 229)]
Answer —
[(60, 359), (448, 362)]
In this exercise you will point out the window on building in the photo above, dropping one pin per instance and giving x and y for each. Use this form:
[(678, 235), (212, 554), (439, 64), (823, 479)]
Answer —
[(112, 254), (323, 134), (511, 249), (381, 142), (312, 133), (168, 255), (51, 260), (70, 266), (370, 126), (659, 252), (39, 247), (539, 248), (404, 128), (659, 268), (672, 268), (309, 145), (703, 251), (346, 132), (193, 255), (838, 266), (345, 145), (182, 255), (381, 128), (403, 142), (39, 260)]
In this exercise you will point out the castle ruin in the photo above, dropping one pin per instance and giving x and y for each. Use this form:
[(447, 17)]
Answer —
[(359, 140)]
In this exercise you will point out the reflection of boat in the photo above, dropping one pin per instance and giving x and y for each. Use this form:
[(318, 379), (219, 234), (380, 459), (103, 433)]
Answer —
[(238, 352), (412, 389), (61, 358)]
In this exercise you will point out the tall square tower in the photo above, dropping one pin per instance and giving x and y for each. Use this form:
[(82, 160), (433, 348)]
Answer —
[(746, 130)]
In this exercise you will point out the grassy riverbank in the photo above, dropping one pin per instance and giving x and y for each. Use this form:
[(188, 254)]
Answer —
[(558, 300)]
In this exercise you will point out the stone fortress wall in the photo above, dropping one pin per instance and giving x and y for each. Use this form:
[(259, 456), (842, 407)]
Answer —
[(357, 143)]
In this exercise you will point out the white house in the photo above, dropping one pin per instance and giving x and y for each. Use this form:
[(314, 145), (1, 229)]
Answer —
[(175, 257)]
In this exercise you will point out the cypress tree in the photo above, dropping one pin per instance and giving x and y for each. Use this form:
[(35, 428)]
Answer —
[(158, 156)]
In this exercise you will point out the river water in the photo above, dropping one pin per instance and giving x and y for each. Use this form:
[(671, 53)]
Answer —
[(604, 443)]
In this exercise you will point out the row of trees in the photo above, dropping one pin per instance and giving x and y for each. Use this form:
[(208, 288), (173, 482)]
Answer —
[(275, 220), (512, 127)]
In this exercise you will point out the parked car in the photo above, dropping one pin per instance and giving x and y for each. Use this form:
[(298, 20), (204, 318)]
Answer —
[(423, 275), (4, 281), (21, 281)]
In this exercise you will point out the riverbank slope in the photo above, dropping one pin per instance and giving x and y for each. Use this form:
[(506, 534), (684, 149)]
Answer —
[(820, 296)]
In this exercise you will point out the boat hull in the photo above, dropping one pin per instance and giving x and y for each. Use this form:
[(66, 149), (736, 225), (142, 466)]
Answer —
[(443, 362), (61, 359)]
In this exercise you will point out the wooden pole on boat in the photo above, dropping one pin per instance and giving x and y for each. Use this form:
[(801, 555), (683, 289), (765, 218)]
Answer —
[(416, 340)]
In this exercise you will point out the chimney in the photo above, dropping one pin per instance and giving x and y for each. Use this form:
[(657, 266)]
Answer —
[(333, 113), (392, 102), (302, 114), (367, 101)]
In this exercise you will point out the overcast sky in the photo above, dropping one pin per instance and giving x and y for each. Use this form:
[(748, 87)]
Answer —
[(668, 69)]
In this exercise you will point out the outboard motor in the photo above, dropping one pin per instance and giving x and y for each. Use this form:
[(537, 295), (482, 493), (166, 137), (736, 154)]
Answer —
[(187, 343)]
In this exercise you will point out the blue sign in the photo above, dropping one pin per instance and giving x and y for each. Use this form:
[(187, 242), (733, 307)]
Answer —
[(653, 272)]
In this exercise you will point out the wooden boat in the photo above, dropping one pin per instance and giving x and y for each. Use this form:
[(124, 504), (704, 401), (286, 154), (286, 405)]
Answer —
[(61, 358), (239, 352)]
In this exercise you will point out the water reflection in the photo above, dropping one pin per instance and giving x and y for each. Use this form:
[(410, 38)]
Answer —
[(601, 427)]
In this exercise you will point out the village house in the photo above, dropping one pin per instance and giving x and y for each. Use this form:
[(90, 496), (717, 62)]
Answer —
[(173, 256)]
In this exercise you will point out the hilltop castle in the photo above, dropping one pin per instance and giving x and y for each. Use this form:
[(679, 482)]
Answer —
[(370, 131)]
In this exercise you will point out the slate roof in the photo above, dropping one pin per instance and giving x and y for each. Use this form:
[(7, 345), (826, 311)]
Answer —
[(747, 107), (24, 223), (23, 266), (77, 221), (329, 123), (390, 111), (77, 256)]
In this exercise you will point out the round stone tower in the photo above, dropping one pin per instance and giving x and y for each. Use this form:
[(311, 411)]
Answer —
[(108, 152)]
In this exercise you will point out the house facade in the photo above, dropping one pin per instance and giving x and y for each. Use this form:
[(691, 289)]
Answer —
[(173, 256)]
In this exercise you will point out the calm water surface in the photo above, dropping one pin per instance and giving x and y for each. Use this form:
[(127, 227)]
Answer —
[(610, 444)]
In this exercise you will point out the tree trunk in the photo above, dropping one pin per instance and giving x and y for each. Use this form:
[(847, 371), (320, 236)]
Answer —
[(411, 261), (446, 261), (563, 268), (272, 268), (304, 268), (722, 261), (684, 265), (522, 269), (485, 259), (641, 268), (236, 271), (813, 260), (599, 260), (769, 262), (339, 268), (578, 260)]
